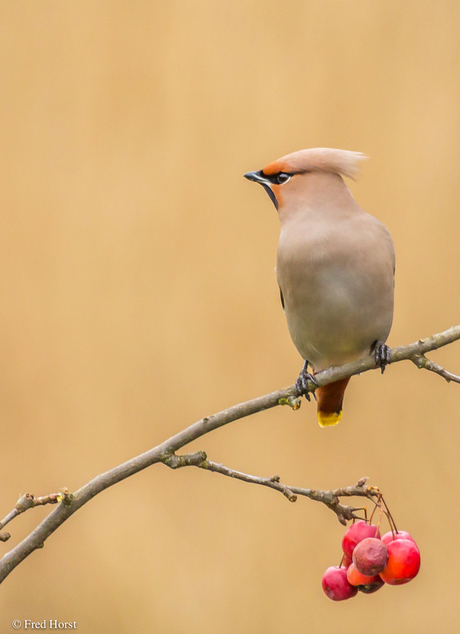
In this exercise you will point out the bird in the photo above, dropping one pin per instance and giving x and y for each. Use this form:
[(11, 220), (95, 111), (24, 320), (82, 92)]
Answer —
[(335, 268)]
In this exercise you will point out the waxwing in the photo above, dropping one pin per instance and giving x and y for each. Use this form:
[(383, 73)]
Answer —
[(335, 267)]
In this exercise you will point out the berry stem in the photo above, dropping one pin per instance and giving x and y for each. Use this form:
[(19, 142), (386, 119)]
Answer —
[(391, 521)]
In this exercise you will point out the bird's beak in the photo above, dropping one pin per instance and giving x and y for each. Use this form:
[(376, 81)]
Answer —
[(257, 177)]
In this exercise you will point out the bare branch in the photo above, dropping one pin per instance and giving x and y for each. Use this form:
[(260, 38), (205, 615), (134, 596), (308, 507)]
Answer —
[(401, 353), (330, 498), (165, 452), (28, 501), (426, 364)]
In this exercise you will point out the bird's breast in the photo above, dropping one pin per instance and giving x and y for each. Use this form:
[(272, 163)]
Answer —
[(337, 284)]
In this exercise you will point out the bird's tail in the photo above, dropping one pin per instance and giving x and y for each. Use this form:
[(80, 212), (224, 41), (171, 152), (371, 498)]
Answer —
[(330, 399)]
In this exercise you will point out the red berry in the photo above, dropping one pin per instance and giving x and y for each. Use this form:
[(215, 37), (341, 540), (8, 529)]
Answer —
[(336, 586), (389, 537), (369, 588), (355, 534), (370, 556), (356, 578), (362, 582), (403, 562), (346, 562)]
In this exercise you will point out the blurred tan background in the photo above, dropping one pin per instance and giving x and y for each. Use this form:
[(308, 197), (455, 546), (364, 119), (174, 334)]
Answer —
[(138, 295)]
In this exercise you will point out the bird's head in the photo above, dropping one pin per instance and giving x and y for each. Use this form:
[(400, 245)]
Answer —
[(283, 176)]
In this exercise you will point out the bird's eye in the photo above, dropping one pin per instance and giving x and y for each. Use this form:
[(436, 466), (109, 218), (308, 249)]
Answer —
[(282, 178)]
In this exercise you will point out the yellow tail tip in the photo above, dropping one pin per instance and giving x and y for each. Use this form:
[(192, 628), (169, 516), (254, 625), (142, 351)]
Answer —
[(327, 420)]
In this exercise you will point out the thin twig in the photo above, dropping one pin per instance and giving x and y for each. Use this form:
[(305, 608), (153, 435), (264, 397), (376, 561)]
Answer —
[(29, 501), (70, 504), (330, 498), (426, 364)]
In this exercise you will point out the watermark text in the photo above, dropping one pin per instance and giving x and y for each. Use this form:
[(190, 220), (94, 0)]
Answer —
[(47, 624)]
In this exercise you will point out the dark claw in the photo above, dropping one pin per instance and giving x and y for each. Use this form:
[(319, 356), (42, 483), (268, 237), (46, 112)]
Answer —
[(302, 382), (381, 355)]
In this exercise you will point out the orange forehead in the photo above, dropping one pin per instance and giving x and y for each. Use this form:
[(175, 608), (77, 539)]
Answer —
[(280, 165)]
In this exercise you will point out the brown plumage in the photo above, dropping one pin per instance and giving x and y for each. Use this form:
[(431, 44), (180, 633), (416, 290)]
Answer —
[(335, 265)]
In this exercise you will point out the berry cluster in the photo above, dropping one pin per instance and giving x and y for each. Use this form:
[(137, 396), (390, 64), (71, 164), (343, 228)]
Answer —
[(369, 561)]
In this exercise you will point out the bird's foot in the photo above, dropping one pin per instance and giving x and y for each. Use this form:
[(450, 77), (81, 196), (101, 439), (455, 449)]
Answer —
[(302, 382), (381, 355)]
